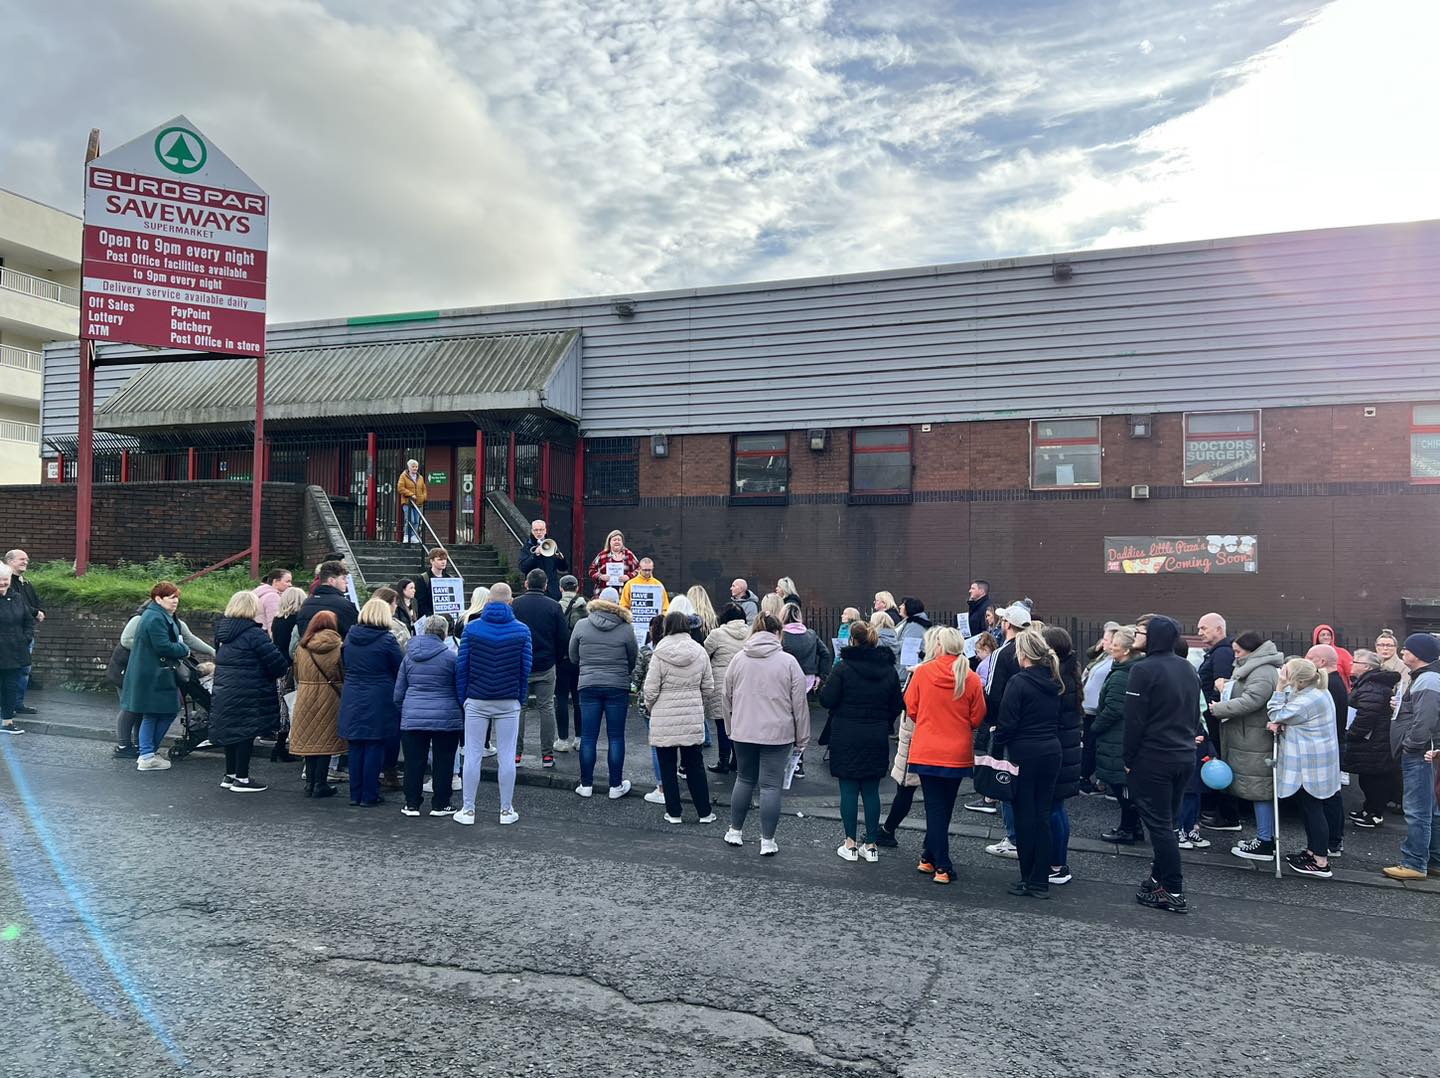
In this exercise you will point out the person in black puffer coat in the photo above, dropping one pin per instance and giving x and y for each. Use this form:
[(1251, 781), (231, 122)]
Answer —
[(863, 697), (1072, 720), (1367, 742), (244, 703)]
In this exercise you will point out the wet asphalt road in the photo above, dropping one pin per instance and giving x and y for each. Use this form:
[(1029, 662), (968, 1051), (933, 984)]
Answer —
[(155, 924)]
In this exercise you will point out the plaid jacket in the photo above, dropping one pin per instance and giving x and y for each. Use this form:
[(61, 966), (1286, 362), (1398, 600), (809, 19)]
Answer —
[(1309, 749)]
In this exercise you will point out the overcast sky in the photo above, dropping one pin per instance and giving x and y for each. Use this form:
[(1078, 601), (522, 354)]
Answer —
[(440, 153)]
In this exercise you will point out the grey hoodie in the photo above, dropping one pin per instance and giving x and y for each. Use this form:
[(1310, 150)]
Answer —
[(603, 646)]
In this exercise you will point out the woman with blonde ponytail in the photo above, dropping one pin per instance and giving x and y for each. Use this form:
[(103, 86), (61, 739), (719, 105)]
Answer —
[(1307, 765), (946, 702)]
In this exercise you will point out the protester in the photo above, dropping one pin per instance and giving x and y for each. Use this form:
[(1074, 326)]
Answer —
[(405, 608), (150, 690), (329, 594), (946, 702), (314, 719), (18, 561), (479, 596), (243, 701), (704, 610), (1367, 741), (913, 620), (744, 598), (653, 633), (680, 694), (127, 722), (1097, 669), (1308, 764), (769, 718), (410, 488), (1071, 735), (1127, 647), (772, 606), (567, 674), (722, 645), (863, 698), (1218, 665), (1388, 648), (884, 603), (1324, 634), (1414, 734), (430, 717), (17, 629), (1027, 730), (492, 679), (812, 653), (368, 718), (985, 648), (269, 592), (287, 616), (614, 565), (1005, 665), (542, 553), (682, 604), (439, 568), (398, 629), (1326, 660), (645, 577), (604, 651), (977, 601), (1162, 713), (1245, 743), (886, 637), (549, 639), (788, 592)]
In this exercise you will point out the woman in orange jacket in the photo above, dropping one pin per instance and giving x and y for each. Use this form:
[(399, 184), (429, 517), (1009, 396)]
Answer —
[(947, 703)]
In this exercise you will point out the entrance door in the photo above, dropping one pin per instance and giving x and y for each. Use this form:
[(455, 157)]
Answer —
[(466, 496)]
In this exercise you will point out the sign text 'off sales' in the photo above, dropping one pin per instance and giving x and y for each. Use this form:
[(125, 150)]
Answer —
[(175, 246)]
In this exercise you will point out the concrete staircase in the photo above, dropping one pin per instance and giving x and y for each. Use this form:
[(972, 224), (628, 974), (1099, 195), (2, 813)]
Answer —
[(383, 563)]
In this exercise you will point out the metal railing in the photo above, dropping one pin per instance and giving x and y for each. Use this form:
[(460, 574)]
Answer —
[(12, 431), (39, 287), (21, 358)]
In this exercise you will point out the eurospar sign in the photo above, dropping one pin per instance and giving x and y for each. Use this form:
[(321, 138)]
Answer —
[(175, 247)]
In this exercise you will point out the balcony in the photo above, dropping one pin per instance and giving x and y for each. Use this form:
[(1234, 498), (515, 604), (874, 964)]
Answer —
[(21, 374), (11, 431), (38, 307)]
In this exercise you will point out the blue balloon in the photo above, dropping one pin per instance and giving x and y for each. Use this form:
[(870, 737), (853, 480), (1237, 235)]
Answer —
[(1216, 774)]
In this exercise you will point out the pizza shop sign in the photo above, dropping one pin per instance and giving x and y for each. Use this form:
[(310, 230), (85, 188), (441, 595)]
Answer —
[(1150, 555)]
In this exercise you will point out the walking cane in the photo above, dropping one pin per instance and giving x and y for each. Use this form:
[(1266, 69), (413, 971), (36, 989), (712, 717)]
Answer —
[(1275, 795)]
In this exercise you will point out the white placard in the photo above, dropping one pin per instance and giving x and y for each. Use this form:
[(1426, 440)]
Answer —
[(645, 604), (910, 651), (615, 574), (446, 595)]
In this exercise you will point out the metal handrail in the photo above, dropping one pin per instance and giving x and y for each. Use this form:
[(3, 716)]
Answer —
[(426, 522), (498, 500), (12, 431), (22, 358), (39, 287)]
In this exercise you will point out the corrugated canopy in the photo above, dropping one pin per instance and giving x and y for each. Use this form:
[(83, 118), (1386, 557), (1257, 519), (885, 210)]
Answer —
[(438, 377)]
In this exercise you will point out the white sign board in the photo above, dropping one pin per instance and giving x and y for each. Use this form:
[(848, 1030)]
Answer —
[(910, 651), (447, 596), (615, 574), (645, 603)]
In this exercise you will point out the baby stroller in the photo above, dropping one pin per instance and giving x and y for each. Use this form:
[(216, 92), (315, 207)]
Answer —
[(194, 709)]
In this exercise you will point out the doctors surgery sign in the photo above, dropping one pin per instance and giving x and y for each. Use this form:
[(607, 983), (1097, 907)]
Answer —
[(1157, 554), (175, 247)]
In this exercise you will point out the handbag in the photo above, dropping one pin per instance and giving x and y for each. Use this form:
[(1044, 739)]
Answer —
[(995, 775)]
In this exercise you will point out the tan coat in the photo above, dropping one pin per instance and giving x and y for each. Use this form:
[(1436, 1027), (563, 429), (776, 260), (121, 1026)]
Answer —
[(319, 678), (723, 644), (900, 770), (407, 488), (679, 692)]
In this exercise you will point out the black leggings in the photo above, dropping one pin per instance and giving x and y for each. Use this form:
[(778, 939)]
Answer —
[(900, 807), (127, 727), (1317, 826), (317, 770), (1379, 789), (237, 758)]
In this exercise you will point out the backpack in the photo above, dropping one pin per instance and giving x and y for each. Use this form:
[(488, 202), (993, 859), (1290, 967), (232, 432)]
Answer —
[(119, 660)]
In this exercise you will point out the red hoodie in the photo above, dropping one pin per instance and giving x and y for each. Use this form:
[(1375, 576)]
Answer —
[(1346, 659)]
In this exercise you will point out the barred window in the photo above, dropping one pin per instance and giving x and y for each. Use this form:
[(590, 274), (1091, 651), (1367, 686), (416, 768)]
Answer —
[(612, 471)]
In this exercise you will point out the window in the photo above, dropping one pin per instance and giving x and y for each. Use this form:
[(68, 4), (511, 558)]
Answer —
[(762, 466), (880, 461), (1222, 447), (1065, 453), (1425, 443), (612, 471)]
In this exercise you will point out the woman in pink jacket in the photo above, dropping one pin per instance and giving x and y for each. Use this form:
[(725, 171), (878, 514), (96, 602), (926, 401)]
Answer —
[(769, 724)]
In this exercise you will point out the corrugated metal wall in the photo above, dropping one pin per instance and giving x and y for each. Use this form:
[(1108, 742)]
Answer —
[(1297, 318)]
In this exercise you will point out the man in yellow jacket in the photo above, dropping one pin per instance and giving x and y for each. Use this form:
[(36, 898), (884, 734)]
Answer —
[(412, 493), (652, 600)]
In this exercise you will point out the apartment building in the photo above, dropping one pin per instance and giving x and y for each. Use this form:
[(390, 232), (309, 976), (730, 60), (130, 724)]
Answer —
[(39, 303)]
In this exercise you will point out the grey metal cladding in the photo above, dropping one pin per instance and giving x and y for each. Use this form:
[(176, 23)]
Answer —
[(1329, 316)]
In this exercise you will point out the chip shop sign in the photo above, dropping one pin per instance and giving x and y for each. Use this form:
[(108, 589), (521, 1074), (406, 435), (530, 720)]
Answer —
[(1149, 555)]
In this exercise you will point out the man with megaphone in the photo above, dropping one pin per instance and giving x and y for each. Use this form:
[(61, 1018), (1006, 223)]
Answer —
[(542, 552)]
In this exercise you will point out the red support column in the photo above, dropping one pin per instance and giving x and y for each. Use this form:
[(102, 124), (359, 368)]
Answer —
[(268, 447), (545, 481), (257, 469), (578, 550), (191, 464), (372, 482), (510, 468), (60, 460), (85, 457), (124, 465), (479, 521)]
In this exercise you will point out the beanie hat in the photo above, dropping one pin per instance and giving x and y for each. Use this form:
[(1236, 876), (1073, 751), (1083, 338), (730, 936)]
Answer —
[(1423, 646), (610, 595)]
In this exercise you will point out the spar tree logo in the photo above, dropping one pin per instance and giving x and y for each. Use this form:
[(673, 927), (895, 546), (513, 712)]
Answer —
[(180, 150)]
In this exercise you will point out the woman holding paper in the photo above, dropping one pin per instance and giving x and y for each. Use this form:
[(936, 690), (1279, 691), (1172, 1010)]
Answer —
[(614, 565)]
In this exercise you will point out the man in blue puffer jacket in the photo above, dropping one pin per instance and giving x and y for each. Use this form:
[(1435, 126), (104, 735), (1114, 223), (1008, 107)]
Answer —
[(492, 678), (430, 715)]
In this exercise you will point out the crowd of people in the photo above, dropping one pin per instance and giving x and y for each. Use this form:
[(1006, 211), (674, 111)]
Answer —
[(381, 695)]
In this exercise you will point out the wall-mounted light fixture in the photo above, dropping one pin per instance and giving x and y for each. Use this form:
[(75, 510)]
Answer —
[(1061, 270), (1142, 425), (623, 308), (659, 445), (818, 436)]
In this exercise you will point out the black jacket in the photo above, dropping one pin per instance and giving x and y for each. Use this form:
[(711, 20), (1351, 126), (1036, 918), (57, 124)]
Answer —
[(1341, 698), (1219, 661), (863, 697), (554, 567), (28, 593), (1162, 701), (17, 629), (1005, 667), (1367, 742), (976, 617), (1072, 720), (243, 700), (1029, 724), (424, 601), (328, 597), (549, 629)]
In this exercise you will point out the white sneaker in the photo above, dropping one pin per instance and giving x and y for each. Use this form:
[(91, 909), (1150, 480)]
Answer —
[(656, 796), (585, 791), (456, 783), (869, 853), (1197, 840), (487, 752), (1003, 848), (769, 847), (427, 787), (561, 745), (847, 853), (617, 792), (152, 763), (707, 819), (227, 782), (674, 819), (465, 816), (734, 838), (509, 816)]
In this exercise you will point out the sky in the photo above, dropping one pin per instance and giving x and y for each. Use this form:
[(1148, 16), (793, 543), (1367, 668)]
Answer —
[(426, 154)]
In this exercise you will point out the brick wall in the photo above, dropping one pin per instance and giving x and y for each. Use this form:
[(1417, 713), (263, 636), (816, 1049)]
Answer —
[(1343, 550), (202, 522), (73, 644)]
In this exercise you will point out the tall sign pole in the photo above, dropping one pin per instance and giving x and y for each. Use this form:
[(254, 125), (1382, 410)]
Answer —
[(175, 259)]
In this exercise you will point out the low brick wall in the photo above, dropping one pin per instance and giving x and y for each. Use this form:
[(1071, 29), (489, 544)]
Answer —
[(73, 644)]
